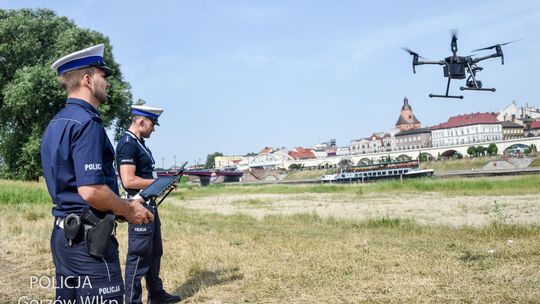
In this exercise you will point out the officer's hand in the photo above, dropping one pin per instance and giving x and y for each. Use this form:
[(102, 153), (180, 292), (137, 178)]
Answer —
[(137, 213)]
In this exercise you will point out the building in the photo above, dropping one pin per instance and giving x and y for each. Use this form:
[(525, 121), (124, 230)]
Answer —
[(343, 151), (472, 129), (377, 142), (511, 130), (413, 139), (227, 161), (301, 153), (407, 120), (519, 115), (533, 130), (325, 149)]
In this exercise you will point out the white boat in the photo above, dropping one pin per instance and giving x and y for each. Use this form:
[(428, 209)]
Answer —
[(328, 178), (396, 170)]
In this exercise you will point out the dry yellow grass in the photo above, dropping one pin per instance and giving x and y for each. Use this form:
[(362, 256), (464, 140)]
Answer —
[(302, 258)]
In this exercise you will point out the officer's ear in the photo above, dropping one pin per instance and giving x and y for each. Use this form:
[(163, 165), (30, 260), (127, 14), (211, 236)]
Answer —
[(141, 121), (86, 79)]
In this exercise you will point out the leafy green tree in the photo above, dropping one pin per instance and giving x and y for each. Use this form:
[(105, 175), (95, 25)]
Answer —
[(30, 95), (481, 150), (532, 148), (211, 160), (296, 166), (492, 149), (471, 151)]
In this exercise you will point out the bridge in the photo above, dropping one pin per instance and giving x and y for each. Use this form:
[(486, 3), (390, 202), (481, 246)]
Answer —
[(283, 161), (206, 175)]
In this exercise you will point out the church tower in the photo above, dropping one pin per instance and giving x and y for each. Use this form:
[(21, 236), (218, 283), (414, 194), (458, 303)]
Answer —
[(407, 120)]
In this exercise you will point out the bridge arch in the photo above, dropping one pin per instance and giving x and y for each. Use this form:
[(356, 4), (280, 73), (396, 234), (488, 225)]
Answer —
[(403, 157), (364, 161), (451, 153), (516, 148), (269, 159), (425, 156)]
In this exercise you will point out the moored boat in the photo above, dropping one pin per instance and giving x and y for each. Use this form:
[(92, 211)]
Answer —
[(366, 173)]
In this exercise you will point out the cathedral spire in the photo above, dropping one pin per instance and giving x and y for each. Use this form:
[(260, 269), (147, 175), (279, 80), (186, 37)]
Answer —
[(407, 120)]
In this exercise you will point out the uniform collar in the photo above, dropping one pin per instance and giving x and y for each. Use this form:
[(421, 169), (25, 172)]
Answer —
[(83, 104), (141, 140)]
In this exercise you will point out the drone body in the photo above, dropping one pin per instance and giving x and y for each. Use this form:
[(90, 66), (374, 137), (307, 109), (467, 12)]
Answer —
[(457, 67)]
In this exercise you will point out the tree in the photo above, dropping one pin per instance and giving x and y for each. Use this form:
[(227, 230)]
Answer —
[(211, 160), (532, 148), (344, 163), (296, 166), (492, 149), (481, 150), (30, 95), (471, 151)]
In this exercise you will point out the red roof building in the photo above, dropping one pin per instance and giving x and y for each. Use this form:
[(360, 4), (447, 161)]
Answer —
[(266, 150), (467, 129), (535, 125), (468, 119), (301, 153)]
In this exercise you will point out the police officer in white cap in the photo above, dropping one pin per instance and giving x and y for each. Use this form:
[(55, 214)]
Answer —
[(136, 164), (77, 159)]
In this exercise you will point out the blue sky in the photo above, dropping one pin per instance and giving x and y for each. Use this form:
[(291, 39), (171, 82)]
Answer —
[(236, 76)]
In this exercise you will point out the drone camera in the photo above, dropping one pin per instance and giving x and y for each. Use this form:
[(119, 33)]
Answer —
[(474, 84)]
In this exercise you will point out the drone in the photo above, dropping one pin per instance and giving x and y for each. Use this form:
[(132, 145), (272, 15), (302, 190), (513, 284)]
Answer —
[(457, 67)]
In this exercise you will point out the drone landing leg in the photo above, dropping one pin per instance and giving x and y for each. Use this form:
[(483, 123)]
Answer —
[(448, 85), (477, 89), (446, 96)]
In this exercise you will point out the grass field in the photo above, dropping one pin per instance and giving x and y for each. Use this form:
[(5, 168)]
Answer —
[(213, 258), (449, 186), (536, 162), (457, 164)]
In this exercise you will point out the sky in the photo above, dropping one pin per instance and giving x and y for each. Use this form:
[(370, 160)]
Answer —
[(237, 76)]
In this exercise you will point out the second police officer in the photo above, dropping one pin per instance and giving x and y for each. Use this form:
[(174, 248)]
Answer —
[(135, 165)]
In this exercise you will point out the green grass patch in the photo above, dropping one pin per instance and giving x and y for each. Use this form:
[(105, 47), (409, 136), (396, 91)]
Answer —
[(535, 162), (187, 192), (305, 174), (449, 186), (17, 192), (464, 186), (457, 164)]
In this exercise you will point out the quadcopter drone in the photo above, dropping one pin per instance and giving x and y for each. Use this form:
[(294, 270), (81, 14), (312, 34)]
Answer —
[(457, 67)]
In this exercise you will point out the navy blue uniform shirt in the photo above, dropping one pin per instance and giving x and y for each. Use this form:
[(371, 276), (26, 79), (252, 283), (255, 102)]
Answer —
[(75, 151), (132, 151)]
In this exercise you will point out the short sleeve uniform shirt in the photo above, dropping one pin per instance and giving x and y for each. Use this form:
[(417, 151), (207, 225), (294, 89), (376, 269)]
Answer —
[(133, 151), (75, 151)]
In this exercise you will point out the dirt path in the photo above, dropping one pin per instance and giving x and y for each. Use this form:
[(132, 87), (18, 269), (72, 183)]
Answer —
[(426, 208)]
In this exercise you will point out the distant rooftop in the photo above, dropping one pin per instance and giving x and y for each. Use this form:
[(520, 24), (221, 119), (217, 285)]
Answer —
[(468, 119), (413, 131)]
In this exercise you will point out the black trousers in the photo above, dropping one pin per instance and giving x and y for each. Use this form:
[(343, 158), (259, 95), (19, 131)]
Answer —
[(145, 249), (82, 278)]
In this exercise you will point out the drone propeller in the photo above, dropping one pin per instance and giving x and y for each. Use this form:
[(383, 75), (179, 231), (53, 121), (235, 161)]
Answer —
[(495, 45), (497, 48), (415, 58), (453, 43), (411, 52)]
